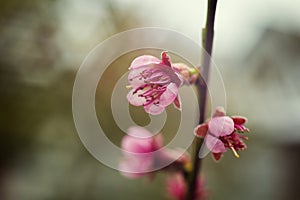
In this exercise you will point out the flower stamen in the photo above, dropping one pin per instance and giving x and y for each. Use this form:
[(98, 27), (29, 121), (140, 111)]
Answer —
[(233, 150)]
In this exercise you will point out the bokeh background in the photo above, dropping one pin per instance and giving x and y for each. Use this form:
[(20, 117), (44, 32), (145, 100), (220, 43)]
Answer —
[(257, 48)]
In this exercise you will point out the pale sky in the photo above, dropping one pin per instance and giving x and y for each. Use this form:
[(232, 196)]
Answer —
[(238, 22)]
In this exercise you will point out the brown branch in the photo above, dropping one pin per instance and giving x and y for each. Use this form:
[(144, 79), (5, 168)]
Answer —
[(201, 84)]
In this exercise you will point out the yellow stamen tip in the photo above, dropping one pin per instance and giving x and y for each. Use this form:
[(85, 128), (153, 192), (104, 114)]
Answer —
[(188, 166), (234, 151), (128, 86), (236, 154)]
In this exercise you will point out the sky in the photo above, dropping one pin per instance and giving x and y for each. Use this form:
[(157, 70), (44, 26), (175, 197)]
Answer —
[(238, 23), (237, 28)]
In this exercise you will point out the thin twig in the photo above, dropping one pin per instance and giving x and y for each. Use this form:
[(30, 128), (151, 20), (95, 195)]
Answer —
[(207, 42)]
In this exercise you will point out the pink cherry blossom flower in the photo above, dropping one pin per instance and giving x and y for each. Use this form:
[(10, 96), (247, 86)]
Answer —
[(222, 133), (144, 153), (177, 188), (155, 83), (138, 147)]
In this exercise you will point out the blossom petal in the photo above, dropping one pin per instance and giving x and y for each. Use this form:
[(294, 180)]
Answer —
[(178, 79), (134, 77), (201, 130), (135, 167), (239, 120), (177, 103), (219, 112), (158, 141), (221, 126), (214, 144), (143, 60), (131, 144), (152, 74), (165, 59), (171, 74), (154, 109), (169, 95), (217, 156), (176, 186), (134, 98), (138, 132), (184, 71), (126, 170)]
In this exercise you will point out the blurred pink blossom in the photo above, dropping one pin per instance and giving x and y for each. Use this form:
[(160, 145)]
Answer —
[(144, 153), (138, 148), (177, 187)]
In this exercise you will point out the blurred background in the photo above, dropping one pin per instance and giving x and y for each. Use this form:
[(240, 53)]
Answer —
[(257, 47)]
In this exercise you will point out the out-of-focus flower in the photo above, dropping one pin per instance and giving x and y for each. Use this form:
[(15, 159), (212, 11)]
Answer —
[(189, 74), (144, 153), (222, 133), (177, 187), (155, 83), (138, 148)]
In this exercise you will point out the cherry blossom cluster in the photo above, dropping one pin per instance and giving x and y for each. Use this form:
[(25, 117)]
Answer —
[(145, 155), (154, 85)]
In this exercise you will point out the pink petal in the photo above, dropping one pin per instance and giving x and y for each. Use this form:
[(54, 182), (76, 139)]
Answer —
[(219, 112), (158, 141), (201, 192), (221, 126), (181, 67), (184, 72), (135, 99), (154, 109), (169, 95), (176, 187), (201, 130), (137, 145), (165, 58), (143, 60), (135, 167), (239, 120), (214, 144), (168, 72), (126, 170), (134, 77), (139, 132), (177, 103), (217, 156), (178, 79)]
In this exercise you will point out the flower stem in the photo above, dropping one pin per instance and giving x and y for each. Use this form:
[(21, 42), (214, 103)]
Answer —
[(201, 84)]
